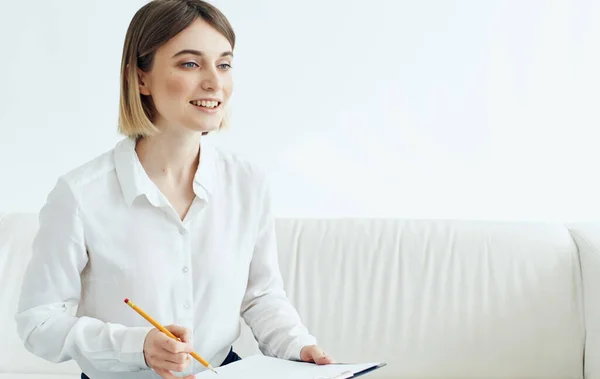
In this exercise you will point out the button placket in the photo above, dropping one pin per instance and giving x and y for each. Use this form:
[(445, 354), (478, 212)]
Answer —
[(185, 269)]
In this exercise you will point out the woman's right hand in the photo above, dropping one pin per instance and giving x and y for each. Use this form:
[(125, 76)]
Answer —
[(164, 354)]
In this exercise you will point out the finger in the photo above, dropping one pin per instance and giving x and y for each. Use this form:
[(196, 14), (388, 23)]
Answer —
[(173, 346), (165, 355), (320, 357), (180, 332), (170, 366), (323, 360), (165, 374)]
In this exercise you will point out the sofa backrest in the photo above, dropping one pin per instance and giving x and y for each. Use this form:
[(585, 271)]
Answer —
[(432, 298)]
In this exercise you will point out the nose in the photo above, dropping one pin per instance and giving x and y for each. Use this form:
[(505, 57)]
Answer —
[(211, 80)]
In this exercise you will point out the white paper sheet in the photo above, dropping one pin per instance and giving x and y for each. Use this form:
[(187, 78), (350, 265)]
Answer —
[(263, 367)]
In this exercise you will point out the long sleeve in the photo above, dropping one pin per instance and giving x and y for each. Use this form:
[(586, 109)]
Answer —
[(273, 320), (51, 288)]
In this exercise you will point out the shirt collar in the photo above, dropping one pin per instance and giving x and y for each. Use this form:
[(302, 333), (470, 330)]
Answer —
[(205, 177), (135, 182)]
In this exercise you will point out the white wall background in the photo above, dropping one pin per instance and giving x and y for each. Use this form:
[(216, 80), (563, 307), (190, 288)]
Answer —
[(460, 109)]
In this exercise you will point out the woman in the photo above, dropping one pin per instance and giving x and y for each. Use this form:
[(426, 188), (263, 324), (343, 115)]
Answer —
[(182, 229)]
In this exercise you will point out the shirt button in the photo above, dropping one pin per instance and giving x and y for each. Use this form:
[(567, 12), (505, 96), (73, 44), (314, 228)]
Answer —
[(186, 305), (185, 269), (182, 231)]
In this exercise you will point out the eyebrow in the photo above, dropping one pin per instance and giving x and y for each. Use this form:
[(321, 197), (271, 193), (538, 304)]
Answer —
[(199, 53)]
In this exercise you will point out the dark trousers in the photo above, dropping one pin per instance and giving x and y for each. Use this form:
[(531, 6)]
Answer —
[(231, 357)]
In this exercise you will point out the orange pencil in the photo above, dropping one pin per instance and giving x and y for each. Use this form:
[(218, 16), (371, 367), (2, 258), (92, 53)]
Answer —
[(164, 330)]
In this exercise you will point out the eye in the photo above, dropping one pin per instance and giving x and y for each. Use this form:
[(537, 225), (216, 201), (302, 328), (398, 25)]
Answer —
[(224, 66), (189, 65)]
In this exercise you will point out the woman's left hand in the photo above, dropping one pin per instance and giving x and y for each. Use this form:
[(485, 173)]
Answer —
[(315, 354)]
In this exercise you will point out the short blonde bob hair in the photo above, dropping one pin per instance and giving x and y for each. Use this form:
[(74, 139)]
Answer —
[(153, 25)]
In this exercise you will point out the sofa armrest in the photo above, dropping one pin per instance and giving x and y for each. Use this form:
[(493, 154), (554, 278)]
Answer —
[(587, 238)]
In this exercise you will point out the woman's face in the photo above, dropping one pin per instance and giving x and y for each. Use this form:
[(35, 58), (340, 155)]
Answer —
[(190, 80)]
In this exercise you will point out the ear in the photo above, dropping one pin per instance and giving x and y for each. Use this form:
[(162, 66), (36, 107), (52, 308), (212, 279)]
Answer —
[(143, 82)]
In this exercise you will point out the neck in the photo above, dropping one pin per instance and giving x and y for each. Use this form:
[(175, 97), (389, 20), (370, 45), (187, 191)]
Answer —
[(170, 155)]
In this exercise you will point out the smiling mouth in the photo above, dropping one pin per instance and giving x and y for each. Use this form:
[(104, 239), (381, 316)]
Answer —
[(206, 104)]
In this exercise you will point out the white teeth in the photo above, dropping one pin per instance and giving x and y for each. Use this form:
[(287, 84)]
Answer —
[(205, 103)]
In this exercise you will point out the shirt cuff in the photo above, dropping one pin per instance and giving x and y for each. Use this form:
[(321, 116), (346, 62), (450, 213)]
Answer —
[(294, 349), (132, 351)]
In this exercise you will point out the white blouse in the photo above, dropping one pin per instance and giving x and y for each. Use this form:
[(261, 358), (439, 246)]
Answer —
[(107, 233)]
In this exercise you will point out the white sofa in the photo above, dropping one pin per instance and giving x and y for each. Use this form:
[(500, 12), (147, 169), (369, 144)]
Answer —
[(432, 298)]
